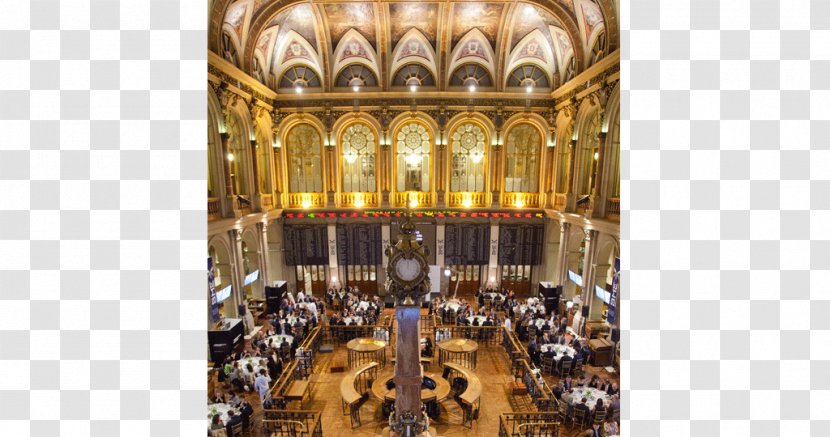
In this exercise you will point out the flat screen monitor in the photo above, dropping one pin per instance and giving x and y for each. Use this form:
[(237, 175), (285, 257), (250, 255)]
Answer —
[(223, 293), (575, 278), (251, 278)]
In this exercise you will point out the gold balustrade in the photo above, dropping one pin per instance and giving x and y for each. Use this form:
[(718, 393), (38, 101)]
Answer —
[(214, 208), (422, 198), (559, 201), (305, 200), (613, 208), (520, 200), (468, 200), (358, 200), (267, 201)]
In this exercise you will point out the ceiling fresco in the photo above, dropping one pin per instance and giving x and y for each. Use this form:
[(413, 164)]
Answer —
[(384, 35)]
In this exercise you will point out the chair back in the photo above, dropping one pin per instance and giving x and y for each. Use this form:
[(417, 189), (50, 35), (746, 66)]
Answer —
[(236, 430), (599, 416), (579, 416)]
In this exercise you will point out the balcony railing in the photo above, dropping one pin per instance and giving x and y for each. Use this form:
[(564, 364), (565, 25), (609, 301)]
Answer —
[(292, 423), (358, 200), (529, 425), (402, 199), (559, 201), (468, 200), (613, 208), (305, 200), (267, 202), (519, 200), (214, 208)]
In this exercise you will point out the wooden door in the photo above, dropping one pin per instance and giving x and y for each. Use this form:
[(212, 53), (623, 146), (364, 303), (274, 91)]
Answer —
[(516, 278), (312, 279), (467, 278), (363, 277)]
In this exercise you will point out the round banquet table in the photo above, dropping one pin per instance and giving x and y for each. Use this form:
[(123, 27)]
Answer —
[(558, 350), (592, 394), (462, 351), (278, 339), (442, 388), (481, 319), (221, 410), (365, 350)]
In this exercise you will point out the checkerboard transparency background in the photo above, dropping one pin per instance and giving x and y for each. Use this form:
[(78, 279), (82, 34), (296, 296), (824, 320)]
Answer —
[(727, 312), (726, 194), (102, 217)]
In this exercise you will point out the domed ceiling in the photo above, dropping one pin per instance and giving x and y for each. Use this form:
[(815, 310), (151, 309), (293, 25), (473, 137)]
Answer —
[(376, 46)]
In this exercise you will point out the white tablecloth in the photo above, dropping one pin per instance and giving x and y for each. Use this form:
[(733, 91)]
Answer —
[(481, 319), (559, 350), (592, 394), (533, 309), (278, 339), (221, 410), (450, 306), (353, 321)]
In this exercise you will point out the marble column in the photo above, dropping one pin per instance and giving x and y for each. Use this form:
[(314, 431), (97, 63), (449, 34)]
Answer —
[(588, 266), (597, 196), (562, 260), (264, 256), (226, 170), (237, 273)]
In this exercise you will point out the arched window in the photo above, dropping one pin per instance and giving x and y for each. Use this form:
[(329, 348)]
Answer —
[(468, 143), (563, 145), (305, 169), (598, 50), (471, 74), (412, 149), (589, 154), (238, 145), (263, 152), (528, 75), (211, 179), (615, 147), (413, 75), (299, 76), (356, 75), (358, 143), (523, 147)]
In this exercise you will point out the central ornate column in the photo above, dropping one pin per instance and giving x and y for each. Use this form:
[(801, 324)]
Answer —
[(408, 281)]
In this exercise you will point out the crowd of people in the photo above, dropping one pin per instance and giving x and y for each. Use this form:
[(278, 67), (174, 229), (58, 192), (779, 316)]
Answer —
[(352, 307)]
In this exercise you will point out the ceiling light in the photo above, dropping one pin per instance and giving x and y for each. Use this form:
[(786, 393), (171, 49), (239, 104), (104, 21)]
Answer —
[(529, 88), (447, 272), (472, 88), (298, 89), (596, 155), (355, 88), (413, 88)]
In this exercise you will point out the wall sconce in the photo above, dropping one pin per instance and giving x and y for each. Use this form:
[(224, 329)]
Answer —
[(230, 157)]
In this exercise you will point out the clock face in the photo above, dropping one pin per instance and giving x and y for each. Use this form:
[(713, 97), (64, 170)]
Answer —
[(407, 269)]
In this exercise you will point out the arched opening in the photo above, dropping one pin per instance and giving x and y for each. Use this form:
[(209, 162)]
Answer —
[(305, 161), (252, 278), (468, 163), (413, 143), (588, 154), (358, 144), (223, 302), (523, 147)]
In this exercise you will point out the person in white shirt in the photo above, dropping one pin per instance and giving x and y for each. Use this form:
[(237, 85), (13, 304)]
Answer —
[(508, 324), (261, 385), (300, 296)]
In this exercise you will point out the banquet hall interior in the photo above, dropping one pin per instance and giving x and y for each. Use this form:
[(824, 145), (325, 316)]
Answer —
[(413, 198)]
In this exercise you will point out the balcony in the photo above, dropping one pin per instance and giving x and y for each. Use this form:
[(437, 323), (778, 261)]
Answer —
[(243, 204), (468, 200), (421, 198), (520, 200), (560, 199), (612, 211), (305, 200), (214, 209), (358, 200), (267, 202)]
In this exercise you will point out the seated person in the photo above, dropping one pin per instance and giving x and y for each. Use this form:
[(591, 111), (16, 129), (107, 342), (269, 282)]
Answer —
[(233, 420)]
